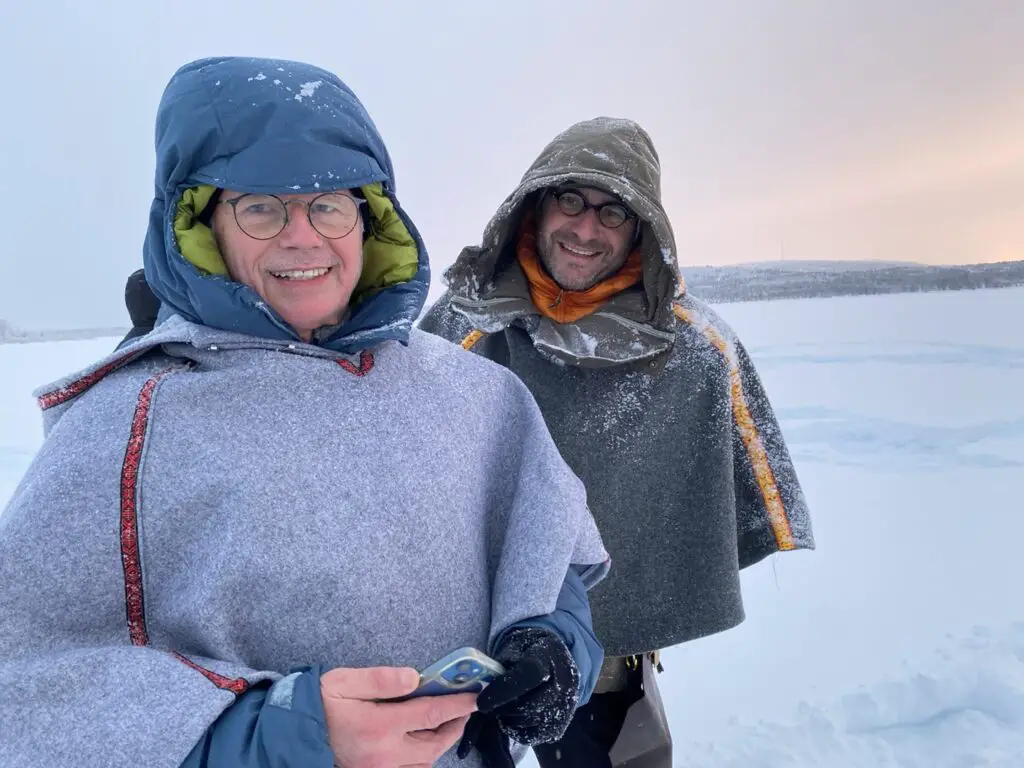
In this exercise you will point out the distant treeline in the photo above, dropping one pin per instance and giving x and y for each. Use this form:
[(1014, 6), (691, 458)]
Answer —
[(751, 282), (748, 282)]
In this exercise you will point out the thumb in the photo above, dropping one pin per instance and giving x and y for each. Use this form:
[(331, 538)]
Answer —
[(368, 683)]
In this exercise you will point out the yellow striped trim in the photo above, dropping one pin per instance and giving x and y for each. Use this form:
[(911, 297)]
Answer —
[(470, 341), (748, 433)]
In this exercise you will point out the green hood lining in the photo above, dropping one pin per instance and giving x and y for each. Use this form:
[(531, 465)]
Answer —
[(390, 255)]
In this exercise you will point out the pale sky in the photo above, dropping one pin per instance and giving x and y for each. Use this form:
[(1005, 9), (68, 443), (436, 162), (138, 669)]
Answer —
[(830, 129)]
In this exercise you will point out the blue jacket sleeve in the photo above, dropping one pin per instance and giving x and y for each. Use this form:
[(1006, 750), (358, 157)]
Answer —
[(572, 622), (279, 726)]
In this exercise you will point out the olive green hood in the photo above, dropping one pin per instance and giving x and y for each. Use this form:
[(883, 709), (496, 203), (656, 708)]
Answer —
[(390, 255)]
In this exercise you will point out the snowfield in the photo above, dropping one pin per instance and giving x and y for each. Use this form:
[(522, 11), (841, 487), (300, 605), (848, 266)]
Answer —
[(900, 640)]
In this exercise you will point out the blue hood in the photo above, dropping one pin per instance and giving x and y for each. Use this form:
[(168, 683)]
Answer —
[(267, 125)]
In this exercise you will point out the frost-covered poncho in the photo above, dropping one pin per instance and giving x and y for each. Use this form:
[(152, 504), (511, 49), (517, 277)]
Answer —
[(651, 399), (212, 508)]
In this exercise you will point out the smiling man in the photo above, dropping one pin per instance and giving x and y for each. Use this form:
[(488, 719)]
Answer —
[(249, 527), (306, 271), (650, 398), (578, 251)]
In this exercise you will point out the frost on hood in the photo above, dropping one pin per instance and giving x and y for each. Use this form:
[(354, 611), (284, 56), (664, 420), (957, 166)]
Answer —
[(307, 89), (293, 90), (612, 154)]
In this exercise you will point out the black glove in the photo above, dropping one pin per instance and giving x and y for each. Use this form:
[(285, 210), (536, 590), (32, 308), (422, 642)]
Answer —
[(533, 702), (484, 733), (142, 304)]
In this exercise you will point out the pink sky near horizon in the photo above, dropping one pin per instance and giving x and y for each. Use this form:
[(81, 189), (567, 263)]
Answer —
[(953, 197), (812, 129)]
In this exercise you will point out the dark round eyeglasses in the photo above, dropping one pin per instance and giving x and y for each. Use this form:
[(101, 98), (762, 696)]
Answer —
[(264, 217), (612, 214)]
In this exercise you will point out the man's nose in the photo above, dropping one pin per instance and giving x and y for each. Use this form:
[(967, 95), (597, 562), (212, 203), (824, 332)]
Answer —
[(587, 225), (299, 231)]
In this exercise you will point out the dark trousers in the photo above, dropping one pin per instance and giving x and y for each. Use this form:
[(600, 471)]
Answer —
[(592, 732)]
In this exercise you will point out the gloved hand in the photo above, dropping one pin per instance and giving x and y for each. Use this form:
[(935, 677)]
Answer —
[(533, 702)]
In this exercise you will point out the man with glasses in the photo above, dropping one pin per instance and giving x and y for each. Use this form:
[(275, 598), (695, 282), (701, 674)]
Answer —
[(247, 529), (651, 399)]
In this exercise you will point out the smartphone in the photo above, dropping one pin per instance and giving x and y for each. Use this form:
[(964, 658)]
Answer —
[(465, 670)]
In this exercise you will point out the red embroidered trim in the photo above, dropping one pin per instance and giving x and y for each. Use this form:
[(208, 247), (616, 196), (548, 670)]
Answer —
[(237, 685), (78, 386), (365, 364), (134, 598), (130, 561)]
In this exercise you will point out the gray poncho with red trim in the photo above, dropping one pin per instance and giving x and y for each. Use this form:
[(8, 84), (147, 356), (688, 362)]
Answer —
[(224, 508)]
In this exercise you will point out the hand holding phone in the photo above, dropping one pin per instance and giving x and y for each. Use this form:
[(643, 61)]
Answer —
[(465, 670), (362, 732)]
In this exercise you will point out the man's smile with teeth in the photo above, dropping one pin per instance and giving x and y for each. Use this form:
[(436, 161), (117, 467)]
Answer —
[(301, 274), (577, 250)]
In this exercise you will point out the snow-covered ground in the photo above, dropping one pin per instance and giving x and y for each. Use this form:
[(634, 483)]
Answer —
[(900, 641)]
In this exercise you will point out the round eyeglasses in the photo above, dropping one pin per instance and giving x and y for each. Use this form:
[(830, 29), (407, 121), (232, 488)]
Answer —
[(264, 217), (612, 214)]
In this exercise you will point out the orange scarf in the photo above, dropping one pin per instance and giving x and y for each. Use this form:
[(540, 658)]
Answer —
[(551, 299)]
